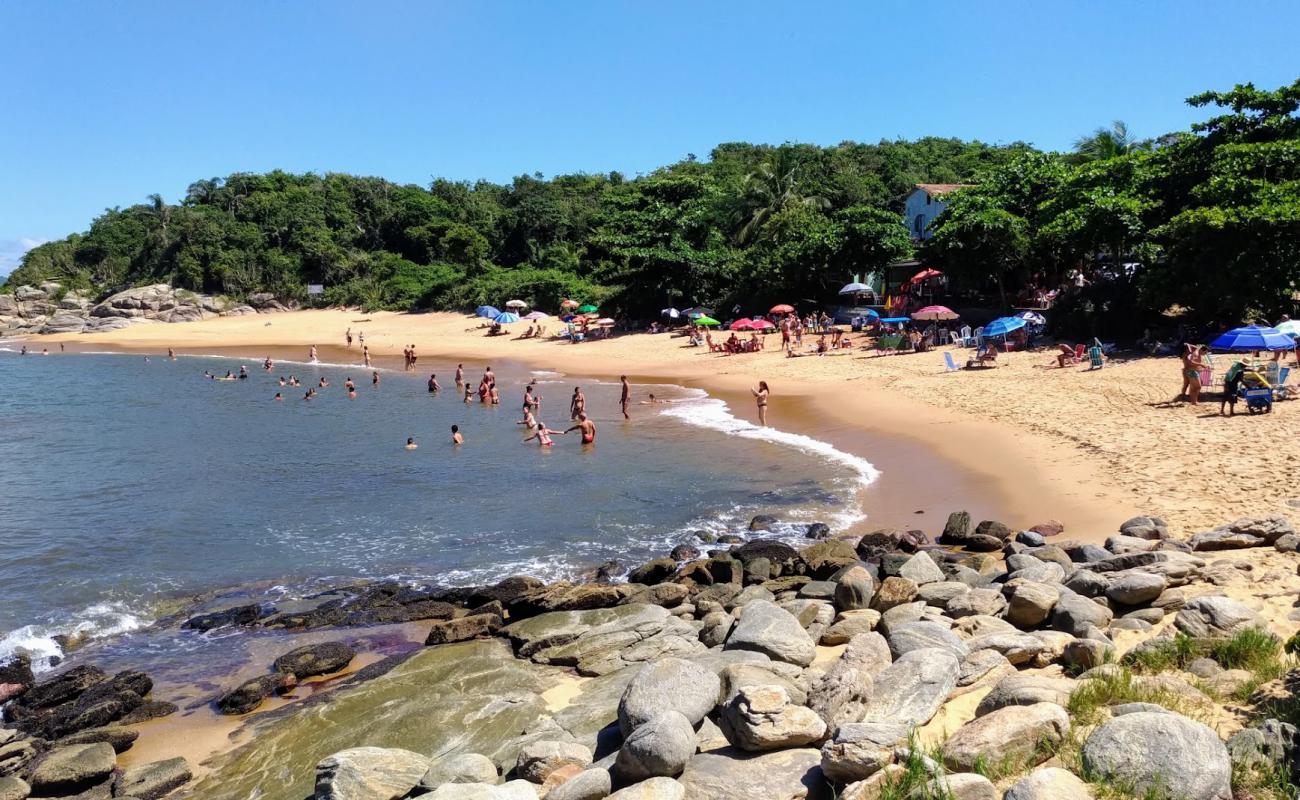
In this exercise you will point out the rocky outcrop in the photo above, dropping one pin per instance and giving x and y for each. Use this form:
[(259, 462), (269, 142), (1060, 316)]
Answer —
[(50, 308)]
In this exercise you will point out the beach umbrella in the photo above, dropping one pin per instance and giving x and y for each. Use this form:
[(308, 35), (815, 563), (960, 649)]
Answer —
[(516, 304), (871, 313), (854, 288), (935, 312), (1291, 328), (605, 321), (925, 275), (569, 304), (1253, 337), (1033, 317), (486, 311), (743, 324), (671, 313), (761, 324), (567, 317), (505, 318), (1003, 325), (782, 309), (536, 315), (587, 309), (708, 322)]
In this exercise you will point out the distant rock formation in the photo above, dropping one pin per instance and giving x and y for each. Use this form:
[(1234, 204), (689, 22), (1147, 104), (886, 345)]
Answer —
[(48, 308)]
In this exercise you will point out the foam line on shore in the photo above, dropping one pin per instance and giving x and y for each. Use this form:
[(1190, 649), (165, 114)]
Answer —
[(37, 641)]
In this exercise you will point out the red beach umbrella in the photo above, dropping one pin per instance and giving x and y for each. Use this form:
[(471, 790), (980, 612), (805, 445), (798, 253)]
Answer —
[(742, 325), (782, 309), (925, 275), (761, 325), (935, 312)]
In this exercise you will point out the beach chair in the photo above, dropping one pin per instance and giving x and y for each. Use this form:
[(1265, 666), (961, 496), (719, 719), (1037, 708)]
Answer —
[(1095, 359), (1079, 351), (947, 359), (957, 341), (967, 339)]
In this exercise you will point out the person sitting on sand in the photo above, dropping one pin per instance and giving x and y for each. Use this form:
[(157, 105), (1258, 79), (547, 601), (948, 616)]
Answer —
[(543, 435), (410, 443), (1065, 356), (456, 438), (587, 427)]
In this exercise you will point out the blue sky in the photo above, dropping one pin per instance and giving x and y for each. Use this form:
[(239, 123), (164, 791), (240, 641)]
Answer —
[(104, 103)]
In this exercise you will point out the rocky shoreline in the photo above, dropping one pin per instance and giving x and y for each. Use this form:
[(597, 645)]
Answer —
[(52, 308), (996, 664)]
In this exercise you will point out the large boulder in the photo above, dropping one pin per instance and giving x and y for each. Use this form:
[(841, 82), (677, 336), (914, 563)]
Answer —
[(590, 784), (925, 635), (769, 629), (605, 640), (783, 775), (670, 684), (763, 718), (854, 589), (912, 689), (921, 569), (1075, 614), (315, 659), (1145, 528), (859, 750), (986, 602), (1216, 616), (1029, 603), (842, 693), (369, 773), (68, 770), (1049, 783), (1161, 752), (659, 747), (1026, 690), (538, 759), (461, 768), (11, 786), (1136, 588), (152, 781), (1020, 734)]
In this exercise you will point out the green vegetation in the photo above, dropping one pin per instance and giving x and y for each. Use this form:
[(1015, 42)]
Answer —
[(1116, 687), (917, 779), (1205, 220), (1163, 654)]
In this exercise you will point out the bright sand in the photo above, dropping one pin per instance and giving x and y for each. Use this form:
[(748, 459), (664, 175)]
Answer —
[(1019, 442)]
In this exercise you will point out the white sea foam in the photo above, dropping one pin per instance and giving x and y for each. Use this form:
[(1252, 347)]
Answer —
[(96, 621)]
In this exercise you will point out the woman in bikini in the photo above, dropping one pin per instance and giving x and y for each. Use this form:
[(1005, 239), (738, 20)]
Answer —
[(760, 396), (543, 435)]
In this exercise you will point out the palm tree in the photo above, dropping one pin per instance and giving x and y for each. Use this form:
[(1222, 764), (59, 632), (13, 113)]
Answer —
[(1104, 143), (769, 189), (202, 191)]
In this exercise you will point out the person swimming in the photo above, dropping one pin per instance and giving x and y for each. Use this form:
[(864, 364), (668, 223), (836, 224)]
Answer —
[(243, 372), (323, 383), (456, 438), (352, 393), (281, 380), (278, 396), (587, 427), (410, 443)]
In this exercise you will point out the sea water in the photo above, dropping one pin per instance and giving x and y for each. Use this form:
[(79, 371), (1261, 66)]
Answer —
[(130, 482)]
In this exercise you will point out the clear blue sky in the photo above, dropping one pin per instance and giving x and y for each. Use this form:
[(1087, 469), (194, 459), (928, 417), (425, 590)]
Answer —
[(105, 102)]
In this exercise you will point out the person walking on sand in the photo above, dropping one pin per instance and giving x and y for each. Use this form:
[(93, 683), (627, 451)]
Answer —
[(1192, 364), (456, 438), (578, 403), (365, 356), (625, 397), (348, 336), (587, 427), (760, 397), (311, 356), (460, 374)]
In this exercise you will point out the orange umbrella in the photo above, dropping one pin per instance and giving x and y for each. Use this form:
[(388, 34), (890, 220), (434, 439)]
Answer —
[(782, 309)]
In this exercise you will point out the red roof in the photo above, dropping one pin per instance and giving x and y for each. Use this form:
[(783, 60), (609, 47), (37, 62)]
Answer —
[(940, 189)]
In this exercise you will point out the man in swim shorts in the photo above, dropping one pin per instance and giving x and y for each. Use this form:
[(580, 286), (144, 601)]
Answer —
[(587, 427)]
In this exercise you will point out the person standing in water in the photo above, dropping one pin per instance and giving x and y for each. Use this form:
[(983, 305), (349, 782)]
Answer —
[(543, 435), (578, 403), (456, 438), (171, 354), (278, 397), (760, 396), (469, 393), (460, 374), (587, 427), (433, 384), (311, 356), (489, 376), (410, 443), (625, 397), (365, 356), (374, 378)]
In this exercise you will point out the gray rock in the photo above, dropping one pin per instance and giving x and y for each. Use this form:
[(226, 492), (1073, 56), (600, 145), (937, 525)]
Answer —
[(369, 773), (1216, 616), (152, 781), (1073, 614), (590, 784), (1084, 654), (1136, 588), (1145, 527), (737, 676), (766, 628), (1087, 583), (1031, 538), (658, 747), (670, 684), (989, 602), (74, 766), (653, 789), (861, 749), (782, 775), (818, 590), (1151, 616), (850, 624), (925, 635), (1012, 734), (763, 718), (715, 627), (981, 665), (1270, 744), (921, 569), (11, 786), (940, 594), (1089, 554), (315, 659), (1137, 708), (1029, 603), (912, 689), (1049, 783), (854, 589), (538, 759), (900, 615), (462, 768), (963, 786), (893, 592), (1026, 690), (1161, 752), (1019, 648), (842, 693), (514, 790)]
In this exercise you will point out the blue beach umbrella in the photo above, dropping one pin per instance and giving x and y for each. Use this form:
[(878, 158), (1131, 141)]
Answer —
[(855, 288), (871, 313), (487, 311), (505, 318), (1253, 337), (1003, 325)]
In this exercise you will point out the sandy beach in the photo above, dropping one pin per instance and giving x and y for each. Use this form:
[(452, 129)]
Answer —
[(1088, 448)]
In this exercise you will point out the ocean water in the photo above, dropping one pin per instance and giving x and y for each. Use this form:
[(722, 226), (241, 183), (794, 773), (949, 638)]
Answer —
[(128, 483)]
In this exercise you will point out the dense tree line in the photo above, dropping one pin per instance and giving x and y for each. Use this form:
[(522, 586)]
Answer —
[(1204, 222), (752, 222)]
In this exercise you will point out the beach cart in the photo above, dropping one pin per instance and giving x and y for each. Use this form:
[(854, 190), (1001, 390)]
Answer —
[(1258, 400)]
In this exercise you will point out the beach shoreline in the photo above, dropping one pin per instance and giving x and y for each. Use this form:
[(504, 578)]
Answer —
[(933, 460)]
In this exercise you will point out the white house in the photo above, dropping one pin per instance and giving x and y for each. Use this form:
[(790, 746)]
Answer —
[(924, 204)]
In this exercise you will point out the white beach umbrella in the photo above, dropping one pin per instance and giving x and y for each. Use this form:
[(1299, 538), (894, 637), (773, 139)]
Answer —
[(516, 304)]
